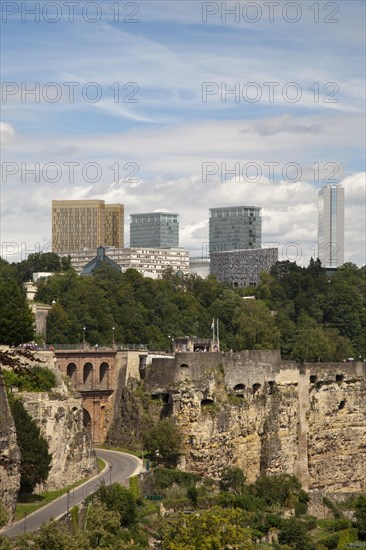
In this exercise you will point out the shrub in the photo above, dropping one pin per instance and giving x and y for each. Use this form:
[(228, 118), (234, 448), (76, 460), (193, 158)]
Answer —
[(118, 499), (35, 379), (233, 480), (192, 494), (294, 533), (284, 490), (164, 477)]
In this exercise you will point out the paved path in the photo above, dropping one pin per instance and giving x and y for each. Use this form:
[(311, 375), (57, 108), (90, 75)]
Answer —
[(120, 466)]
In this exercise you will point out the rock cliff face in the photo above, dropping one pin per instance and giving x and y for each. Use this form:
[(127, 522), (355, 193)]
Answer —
[(60, 419), (251, 410), (59, 415), (9, 456)]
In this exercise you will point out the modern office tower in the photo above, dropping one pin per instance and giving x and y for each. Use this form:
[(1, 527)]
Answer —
[(114, 225), (331, 226), (78, 224), (154, 230), (235, 228)]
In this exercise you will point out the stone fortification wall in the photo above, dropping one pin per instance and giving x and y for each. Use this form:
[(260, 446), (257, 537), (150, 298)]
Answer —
[(9, 456), (251, 410)]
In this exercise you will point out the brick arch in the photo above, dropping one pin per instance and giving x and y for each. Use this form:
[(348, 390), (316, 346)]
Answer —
[(88, 372), (71, 371), (104, 375)]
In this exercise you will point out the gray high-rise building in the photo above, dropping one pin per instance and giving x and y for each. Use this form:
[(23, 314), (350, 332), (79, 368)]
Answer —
[(331, 225), (235, 228), (154, 230)]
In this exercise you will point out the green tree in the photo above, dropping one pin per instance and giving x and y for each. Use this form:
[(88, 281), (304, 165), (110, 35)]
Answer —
[(233, 480), (211, 530), (283, 489), (16, 318), (360, 516), (117, 498), (166, 438), (35, 458), (294, 533), (255, 326)]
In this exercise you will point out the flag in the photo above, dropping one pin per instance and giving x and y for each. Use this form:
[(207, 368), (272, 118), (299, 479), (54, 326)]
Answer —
[(213, 324)]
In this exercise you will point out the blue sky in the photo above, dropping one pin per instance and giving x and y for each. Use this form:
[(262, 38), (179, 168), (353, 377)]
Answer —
[(169, 132)]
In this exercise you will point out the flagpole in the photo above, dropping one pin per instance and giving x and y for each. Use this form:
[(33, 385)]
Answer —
[(217, 334), (213, 333)]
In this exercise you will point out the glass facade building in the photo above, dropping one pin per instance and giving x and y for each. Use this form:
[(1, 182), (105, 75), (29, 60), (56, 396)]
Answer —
[(154, 230), (331, 226), (235, 228)]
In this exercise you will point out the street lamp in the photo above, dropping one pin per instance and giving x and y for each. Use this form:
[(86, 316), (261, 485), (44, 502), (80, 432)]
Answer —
[(157, 454), (84, 336), (110, 474), (113, 341)]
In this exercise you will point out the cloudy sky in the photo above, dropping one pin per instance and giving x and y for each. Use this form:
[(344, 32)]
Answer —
[(182, 106)]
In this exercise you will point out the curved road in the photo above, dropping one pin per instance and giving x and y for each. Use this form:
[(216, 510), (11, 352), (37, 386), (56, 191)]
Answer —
[(120, 466)]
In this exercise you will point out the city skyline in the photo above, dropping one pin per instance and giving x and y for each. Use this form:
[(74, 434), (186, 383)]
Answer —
[(200, 111)]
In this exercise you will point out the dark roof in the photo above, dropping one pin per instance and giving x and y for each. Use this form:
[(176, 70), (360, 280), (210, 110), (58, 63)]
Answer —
[(99, 260)]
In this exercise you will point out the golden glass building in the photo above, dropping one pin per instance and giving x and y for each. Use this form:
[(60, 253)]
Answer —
[(78, 224)]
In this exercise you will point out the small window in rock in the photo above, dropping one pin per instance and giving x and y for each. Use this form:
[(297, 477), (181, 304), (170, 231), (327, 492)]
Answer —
[(207, 402), (339, 378), (256, 388), (342, 404), (271, 386), (313, 378), (239, 387), (155, 396), (165, 397), (184, 366)]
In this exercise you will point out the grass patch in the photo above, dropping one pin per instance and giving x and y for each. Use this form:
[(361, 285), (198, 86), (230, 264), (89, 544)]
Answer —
[(101, 464), (30, 503)]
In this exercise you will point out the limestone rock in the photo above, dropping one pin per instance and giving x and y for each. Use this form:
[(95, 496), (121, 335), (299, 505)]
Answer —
[(9, 456)]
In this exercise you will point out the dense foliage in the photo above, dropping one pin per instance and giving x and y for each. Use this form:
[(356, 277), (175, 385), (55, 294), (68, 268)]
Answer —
[(35, 458), (16, 318), (163, 442), (117, 517), (35, 379), (304, 312)]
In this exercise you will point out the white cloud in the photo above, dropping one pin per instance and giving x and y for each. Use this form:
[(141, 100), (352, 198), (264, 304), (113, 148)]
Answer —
[(7, 133)]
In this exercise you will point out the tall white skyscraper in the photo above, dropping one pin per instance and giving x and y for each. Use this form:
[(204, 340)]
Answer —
[(331, 225)]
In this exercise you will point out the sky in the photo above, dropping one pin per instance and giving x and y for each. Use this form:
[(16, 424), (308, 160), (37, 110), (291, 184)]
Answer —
[(182, 106)]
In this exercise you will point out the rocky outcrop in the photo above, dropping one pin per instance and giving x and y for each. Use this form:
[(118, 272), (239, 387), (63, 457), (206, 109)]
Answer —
[(60, 419), (9, 456), (251, 410), (59, 415)]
